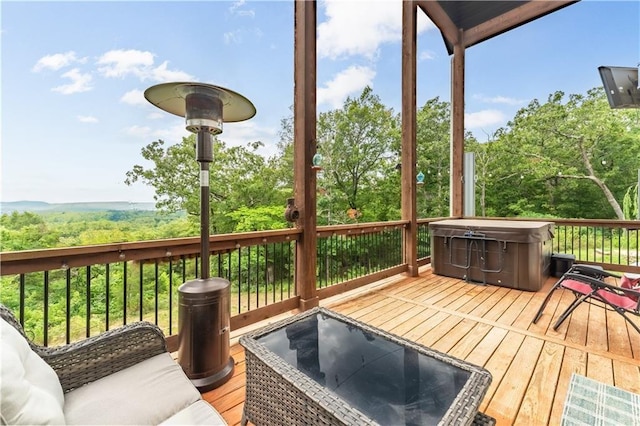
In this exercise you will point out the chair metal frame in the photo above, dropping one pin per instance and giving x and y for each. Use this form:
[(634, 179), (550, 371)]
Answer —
[(587, 285)]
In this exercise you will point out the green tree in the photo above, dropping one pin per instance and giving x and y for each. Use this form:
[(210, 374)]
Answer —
[(258, 218), (25, 231), (239, 177), (432, 149), (574, 155), (356, 144)]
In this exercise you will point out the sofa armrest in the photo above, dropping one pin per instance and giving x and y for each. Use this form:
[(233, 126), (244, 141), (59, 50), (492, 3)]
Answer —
[(83, 362)]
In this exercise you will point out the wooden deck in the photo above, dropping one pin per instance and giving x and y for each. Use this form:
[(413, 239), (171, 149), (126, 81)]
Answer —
[(489, 326)]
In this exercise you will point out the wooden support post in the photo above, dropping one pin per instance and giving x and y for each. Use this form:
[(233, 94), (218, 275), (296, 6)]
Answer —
[(456, 201), (304, 147), (408, 168)]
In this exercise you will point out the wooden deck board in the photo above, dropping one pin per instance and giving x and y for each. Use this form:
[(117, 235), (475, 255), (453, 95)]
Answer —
[(507, 400), (536, 405), (499, 362), (618, 335), (597, 336), (531, 364), (516, 309), (600, 368), (573, 361), (626, 375)]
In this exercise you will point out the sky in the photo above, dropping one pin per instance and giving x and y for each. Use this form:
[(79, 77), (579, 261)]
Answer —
[(74, 119)]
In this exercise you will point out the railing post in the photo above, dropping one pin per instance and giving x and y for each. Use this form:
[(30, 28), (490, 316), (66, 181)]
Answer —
[(304, 148), (408, 167)]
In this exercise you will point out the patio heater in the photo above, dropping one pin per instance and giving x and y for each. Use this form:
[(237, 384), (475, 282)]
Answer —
[(204, 303)]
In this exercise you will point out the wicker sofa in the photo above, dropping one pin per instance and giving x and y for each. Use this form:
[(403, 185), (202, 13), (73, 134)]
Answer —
[(122, 376)]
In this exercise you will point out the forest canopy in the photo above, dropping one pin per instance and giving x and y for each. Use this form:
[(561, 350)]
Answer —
[(569, 156)]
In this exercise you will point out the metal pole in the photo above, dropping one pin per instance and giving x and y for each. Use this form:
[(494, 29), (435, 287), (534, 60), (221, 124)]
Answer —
[(204, 155), (469, 184), (638, 199)]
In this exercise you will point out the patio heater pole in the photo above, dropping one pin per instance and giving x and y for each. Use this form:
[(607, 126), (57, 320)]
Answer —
[(204, 303), (204, 149)]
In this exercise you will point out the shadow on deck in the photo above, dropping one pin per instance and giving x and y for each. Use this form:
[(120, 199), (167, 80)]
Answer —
[(488, 326)]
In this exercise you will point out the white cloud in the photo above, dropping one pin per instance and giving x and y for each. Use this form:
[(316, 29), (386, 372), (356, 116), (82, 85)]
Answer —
[(353, 79), (349, 30), (122, 63), (426, 55), (57, 61), (232, 37), (138, 131), (87, 119), (239, 134), (237, 36), (162, 74), (484, 118), (237, 9), (234, 134), (79, 83), (500, 100), (157, 115), (172, 134), (134, 97)]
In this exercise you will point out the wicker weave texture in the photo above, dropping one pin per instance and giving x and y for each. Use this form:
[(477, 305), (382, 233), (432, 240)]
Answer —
[(277, 393), (83, 362), (271, 399), (482, 419)]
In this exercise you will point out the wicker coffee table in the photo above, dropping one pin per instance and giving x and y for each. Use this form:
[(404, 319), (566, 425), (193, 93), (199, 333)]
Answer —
[(323, 368)]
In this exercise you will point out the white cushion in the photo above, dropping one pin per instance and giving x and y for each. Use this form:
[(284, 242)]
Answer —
[(198, 413), (30, 392), (146, 393)]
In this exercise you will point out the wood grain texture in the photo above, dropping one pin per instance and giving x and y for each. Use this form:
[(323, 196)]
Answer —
[(488, 326)]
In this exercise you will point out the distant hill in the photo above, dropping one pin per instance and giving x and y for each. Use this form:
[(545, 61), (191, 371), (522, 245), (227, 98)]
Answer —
[(41, 206)]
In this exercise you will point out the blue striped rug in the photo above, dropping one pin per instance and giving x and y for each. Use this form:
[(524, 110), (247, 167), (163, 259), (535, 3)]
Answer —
[(590, 402)]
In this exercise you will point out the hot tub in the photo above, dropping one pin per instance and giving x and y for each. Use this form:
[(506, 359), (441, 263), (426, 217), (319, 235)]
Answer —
[(513, 254)]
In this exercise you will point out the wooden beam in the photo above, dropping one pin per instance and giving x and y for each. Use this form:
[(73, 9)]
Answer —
[(456, 201), (304, 148), (439, 17), (408, 155), (529, 11)]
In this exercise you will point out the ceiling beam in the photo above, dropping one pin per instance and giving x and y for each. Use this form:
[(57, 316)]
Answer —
[(522, 14), (439, 17)]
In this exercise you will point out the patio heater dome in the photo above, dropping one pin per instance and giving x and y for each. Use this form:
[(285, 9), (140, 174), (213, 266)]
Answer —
[(204, 106), (204, 303)]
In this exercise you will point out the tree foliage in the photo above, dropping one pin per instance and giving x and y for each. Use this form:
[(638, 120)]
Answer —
[(355, 142), (239, 177), (571, 156), (574, 154)]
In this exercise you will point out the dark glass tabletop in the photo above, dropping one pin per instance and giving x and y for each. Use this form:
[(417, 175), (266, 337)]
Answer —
[(388, 382)]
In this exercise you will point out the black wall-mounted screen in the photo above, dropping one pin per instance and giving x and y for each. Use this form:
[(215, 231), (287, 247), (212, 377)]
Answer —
[(621, 86)]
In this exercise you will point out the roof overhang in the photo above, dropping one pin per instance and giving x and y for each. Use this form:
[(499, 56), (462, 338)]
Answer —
[(471, 22)]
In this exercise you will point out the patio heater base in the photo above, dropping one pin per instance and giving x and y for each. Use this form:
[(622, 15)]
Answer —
[(203, 336), (215, 380)]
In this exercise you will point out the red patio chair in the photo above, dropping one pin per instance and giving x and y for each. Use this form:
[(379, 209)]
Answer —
[(587, 285)]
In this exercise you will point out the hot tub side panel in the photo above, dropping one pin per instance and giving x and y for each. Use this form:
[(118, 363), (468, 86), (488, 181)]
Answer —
[(486, 252)]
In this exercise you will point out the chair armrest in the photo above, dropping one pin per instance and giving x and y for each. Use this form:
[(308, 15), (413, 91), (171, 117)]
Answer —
[(88, 360), (591, 271)]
